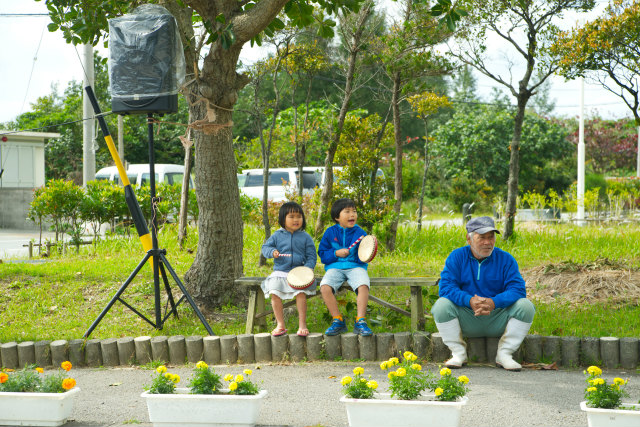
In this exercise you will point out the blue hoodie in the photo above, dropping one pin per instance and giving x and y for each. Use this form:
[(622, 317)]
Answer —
[(299, 244), (496, 277), (336, 237)]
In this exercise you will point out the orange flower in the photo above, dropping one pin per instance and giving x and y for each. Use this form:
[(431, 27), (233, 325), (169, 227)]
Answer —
[(68, 383), (3, 377), (40, 370), (66, 366)]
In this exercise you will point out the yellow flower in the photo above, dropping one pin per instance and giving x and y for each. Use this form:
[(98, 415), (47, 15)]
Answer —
[(3, 377), (594, 370), (401, 372), (358, 370), (618, 381), (168, 375), (233, 386), (346, 380), (66, 365), (160, 369), (201, 365), (445, 371), (175, 378), (228, 377), (598, 381), (248, 372), (407, 355), (463, 379), (383, 365), (40, 370), (239, 378), (592, 389), (438, 391), (372, 384), (393, 361), (364, 380), (416, 367), (68, 383), (391, 374)]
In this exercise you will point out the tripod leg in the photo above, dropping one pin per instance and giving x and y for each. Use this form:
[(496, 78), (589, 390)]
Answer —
[(168, 289), (186, 295), (117, 295)]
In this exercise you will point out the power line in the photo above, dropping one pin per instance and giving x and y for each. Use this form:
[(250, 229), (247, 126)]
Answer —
[(108, 113), (21, 15), (33, 66)]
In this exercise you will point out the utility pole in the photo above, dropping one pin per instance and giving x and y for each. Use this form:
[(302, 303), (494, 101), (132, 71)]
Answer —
[(88, 153), (580, 195)]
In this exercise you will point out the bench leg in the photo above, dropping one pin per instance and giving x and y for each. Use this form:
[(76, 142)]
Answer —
[(251, 310), (261, 322), (417, 309)]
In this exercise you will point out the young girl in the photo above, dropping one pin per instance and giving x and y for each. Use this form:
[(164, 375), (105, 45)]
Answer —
[(290, 247)]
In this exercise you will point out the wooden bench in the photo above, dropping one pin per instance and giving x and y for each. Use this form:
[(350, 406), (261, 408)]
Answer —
[(256, 312)]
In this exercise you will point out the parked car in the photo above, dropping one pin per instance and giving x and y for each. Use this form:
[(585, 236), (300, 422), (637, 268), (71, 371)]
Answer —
[(278, 178), (139, 174)]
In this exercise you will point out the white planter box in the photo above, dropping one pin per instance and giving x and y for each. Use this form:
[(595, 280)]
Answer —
[(597, 417), (386, 412), (36, 409), (199, 410)]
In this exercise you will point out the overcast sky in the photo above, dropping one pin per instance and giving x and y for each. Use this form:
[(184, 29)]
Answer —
[(34, 60)]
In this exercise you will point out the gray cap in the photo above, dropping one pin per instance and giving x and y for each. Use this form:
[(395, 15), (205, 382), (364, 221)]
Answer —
[(481, 225)]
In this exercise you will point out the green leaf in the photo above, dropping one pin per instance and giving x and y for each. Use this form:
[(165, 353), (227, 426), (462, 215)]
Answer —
[(52, 27), (450, 24), (437, 10), (462, 12), (220, 18), (277, 24)]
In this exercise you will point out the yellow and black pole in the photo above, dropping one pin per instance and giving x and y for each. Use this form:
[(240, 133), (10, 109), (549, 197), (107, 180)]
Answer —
[(129, 195)]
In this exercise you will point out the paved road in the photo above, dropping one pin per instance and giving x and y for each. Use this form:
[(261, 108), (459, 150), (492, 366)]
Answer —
[(11, 242), (306, 394)]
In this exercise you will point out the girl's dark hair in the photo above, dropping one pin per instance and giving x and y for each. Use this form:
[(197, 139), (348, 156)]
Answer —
[(339, 205), (290, 207)]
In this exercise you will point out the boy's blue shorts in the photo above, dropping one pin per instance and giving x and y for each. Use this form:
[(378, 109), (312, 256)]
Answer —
[(356, 277)]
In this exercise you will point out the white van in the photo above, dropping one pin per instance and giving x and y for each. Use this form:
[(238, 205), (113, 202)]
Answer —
[(139, 175), (278, 177)]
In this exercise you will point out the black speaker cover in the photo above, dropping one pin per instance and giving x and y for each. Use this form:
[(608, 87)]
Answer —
[(146, 64)]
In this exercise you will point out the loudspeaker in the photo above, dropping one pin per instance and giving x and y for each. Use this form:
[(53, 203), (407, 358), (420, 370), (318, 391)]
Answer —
[(146, 62)]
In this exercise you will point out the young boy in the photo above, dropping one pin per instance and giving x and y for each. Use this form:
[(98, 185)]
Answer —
[(342, 264)]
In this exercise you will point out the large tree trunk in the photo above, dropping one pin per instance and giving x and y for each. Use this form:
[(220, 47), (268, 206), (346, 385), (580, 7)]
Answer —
[(514, 169), (395, 104), (219, 257)]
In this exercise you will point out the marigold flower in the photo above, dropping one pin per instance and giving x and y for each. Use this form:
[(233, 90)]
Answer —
[(160, 369), (40, 370), (591, 389), (372, 384), (68, 383), (247, 372), (364, 380), (239, 378), (618, 381), (598, 381), (168, 375), (416, 367), (228, 377), (175, 378), (233, 386), (594, 370), (346, 380), (201, 365), (438, 391), (401, 372), (358, 370), (3, 377), (407, 355), (445, 371), (463, 379), (393, 361), (66, 365), (383, 365), (391, 374)]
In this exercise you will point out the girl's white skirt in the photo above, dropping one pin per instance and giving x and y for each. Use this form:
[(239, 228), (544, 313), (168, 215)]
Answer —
[(277, 285)]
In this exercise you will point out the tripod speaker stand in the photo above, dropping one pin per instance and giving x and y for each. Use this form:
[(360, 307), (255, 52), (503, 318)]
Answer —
[(158, 256)]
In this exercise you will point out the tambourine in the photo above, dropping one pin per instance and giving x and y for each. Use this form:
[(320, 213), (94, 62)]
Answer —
[(368, 248), (300, 277)]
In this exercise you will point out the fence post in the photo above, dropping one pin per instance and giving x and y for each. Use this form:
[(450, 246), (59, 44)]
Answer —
[(30, 249)]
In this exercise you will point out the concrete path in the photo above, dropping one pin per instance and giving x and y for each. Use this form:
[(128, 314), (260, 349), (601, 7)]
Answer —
[(307, 394)]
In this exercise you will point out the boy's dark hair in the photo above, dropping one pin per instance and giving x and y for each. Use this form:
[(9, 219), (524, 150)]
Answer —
[(290, 207), (339, 205)]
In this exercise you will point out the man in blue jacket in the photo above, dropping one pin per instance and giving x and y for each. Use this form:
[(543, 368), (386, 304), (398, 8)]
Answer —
[(482, 294)]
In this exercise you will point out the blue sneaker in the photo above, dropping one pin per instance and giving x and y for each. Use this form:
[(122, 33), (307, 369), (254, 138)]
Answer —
[(337, 327), (361, 328)]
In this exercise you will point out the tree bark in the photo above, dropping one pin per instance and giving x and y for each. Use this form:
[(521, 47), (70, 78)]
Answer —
[(395, 104), (184, 197), (424, 172), (514, 169)]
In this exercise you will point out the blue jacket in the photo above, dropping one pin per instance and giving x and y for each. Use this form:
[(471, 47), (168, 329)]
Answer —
[(299, 244), (496, 277), (336, 237)]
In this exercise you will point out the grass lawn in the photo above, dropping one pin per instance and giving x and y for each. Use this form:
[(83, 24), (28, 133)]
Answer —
[(60, 299)]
